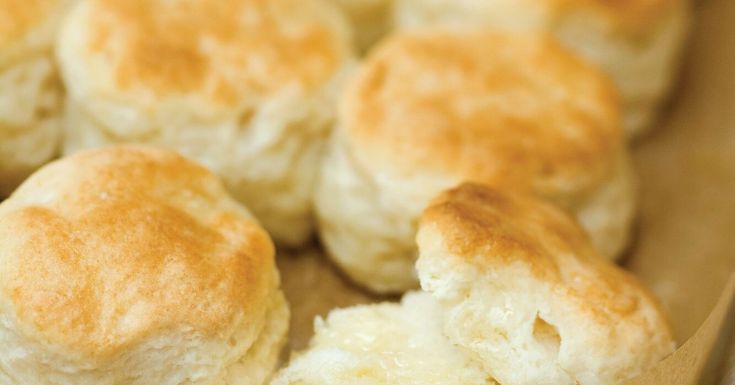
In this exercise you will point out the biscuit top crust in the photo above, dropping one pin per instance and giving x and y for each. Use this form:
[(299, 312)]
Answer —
[(19, 17), (489, 230), (107, 248), (512, 110), (224, 49)]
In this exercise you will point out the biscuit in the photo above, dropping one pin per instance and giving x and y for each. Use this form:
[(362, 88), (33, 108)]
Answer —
[(431, 109), (525, 293), (130, 265), (638, 42), (245, 87), (30, 92), (380, 344)]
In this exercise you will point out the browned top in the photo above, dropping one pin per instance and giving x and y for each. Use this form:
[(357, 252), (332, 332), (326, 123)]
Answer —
[(105, 248), (219, 48), (490, 230), (512, 110), (18, 17)]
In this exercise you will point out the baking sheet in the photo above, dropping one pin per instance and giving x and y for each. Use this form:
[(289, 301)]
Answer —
[(685, 246)]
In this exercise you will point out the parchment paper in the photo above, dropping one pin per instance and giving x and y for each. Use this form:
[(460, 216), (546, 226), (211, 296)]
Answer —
[(685, 247)]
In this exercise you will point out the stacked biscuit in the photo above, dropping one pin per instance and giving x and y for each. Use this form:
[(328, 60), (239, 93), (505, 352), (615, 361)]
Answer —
[(479, 152)]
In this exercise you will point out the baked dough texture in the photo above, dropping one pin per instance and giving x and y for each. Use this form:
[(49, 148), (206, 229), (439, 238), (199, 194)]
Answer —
[(129, 265), (526, 294), (383, 344), (638, 42), (513, 294), (30, 92), (430, 109), (245, 87)]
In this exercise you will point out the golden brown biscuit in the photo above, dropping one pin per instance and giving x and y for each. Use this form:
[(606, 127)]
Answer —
[(433, 108), (246, 87), (30, 93), (638, 42), (133, 265), (526, 294)]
